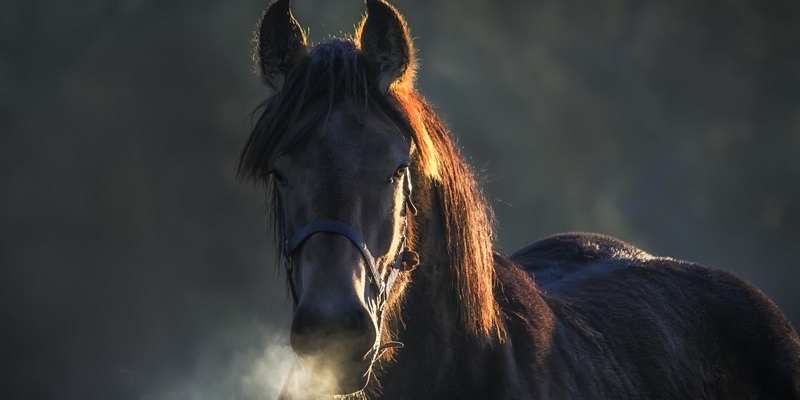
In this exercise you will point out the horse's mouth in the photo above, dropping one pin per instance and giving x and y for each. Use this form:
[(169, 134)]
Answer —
[(327, 375)]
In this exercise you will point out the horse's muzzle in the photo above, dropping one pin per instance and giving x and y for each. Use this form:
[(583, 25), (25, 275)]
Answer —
[(334, 349)]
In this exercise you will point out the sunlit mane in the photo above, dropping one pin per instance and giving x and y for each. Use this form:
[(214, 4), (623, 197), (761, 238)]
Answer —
[(335, 73), (468, 218)]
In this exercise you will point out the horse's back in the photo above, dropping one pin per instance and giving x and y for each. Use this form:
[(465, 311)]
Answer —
[(562, 255), (740, 343)]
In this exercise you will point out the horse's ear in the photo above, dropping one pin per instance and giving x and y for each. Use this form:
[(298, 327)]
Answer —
[(280, 44), (385, 42)]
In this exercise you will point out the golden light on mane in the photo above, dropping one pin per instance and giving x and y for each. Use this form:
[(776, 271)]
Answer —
[(468, 218), (428, 156)]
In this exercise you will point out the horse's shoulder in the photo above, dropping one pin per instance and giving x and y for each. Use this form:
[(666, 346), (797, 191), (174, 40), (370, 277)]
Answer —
[(563, 254)]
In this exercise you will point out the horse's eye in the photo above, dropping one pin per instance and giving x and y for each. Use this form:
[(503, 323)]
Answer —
[(399, 173), (276, 176)]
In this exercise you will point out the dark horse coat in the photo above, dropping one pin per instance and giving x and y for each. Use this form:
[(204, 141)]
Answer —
[(398, 293), (631, 325)]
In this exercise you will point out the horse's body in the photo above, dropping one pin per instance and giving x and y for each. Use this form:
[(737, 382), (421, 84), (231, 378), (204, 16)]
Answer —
[(398, 293), (591, 317), (653, 327)]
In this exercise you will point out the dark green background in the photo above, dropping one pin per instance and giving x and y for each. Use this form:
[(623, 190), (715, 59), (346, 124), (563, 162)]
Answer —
[(134, 266)]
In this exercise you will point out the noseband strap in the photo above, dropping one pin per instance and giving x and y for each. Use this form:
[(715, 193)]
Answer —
[(343, 229)]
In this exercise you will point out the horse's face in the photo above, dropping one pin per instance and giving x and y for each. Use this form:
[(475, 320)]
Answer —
[(352, 169), (342, 189)]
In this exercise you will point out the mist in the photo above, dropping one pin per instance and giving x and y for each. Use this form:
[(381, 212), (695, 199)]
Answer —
[(133, 265)]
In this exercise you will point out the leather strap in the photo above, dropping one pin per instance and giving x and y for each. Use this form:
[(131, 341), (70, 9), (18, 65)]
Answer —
[(343, 229)]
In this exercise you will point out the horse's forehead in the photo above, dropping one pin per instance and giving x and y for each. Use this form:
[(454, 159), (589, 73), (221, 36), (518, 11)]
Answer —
[(358, 137)]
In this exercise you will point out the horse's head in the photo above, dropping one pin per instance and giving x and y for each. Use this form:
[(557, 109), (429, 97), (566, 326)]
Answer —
[(342, 195), (335, 153)]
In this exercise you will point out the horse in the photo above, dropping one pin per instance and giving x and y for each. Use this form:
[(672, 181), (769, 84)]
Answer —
[(397, 291)]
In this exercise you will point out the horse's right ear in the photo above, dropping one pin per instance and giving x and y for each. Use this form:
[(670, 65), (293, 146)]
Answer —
[(280, 44), (385, 42)]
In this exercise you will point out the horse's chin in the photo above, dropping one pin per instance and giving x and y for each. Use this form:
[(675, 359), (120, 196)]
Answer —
[(336, 378)]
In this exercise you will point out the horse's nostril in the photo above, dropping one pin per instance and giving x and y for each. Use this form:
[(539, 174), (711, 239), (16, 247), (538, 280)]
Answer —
[(315, 331), (357, 321)]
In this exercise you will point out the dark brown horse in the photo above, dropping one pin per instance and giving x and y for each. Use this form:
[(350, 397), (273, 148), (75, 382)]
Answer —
[(398, 293)]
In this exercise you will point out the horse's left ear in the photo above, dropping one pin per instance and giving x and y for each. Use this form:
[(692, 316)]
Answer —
[(385, 42)]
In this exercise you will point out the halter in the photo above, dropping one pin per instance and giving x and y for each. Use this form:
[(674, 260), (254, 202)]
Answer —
[(342, 229), (381, 287)]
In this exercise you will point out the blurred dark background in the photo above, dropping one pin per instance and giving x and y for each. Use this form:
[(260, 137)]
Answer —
[(134, 266)]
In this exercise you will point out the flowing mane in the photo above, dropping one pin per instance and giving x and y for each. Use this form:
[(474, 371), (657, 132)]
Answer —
[(335, 73)]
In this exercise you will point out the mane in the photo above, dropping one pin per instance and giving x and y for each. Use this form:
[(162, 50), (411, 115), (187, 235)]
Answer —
[(335, 72)]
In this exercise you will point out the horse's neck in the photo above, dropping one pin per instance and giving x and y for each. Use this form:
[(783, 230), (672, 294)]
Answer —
[(440, 356), (437, 347)]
